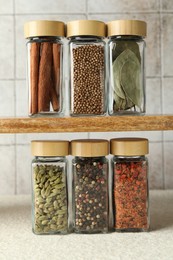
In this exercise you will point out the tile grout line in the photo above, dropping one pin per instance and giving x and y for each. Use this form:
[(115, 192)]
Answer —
[(161, 86), (15, 147)]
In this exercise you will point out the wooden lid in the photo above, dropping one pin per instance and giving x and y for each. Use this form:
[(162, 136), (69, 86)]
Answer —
[(49, 148), (90, 147)]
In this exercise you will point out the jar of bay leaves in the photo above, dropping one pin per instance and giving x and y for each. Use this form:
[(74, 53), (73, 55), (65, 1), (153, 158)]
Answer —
[(127, 67), (90, 185), (45, 67), (49, 187), (87, 67)]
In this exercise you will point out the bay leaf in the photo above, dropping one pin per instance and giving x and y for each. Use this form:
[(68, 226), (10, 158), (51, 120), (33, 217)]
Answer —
[(122, 45), (130, 77), (117, 66)]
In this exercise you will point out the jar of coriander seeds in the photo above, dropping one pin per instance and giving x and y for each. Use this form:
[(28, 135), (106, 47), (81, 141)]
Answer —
[(45, 67), (49, 187), (126, 67), (130, 184), (87, 67), (90, 185)]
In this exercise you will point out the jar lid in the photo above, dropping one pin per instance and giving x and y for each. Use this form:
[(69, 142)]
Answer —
[(49, 148), (44, 28), (129, 146), (86, 27), (90, 147), (127, 27)]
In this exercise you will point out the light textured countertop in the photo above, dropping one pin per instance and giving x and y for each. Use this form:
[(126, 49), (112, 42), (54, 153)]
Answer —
[(18, 242)]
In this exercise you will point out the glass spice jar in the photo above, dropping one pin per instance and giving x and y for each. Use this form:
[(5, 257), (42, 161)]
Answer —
[(49, 187), (90, 185), (45, 67), (127, 67), (87, 67), (130, 184)]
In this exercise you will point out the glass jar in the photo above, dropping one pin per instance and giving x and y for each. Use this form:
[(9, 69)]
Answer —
[(130, 184), (127, 67), (49, 187), (44, 67), (87, 67), (90, 185)]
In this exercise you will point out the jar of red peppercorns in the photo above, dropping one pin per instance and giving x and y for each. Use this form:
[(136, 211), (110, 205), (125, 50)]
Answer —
[(130, 184), (87, 67), (90, 185)]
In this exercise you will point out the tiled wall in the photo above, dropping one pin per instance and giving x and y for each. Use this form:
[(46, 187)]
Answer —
[(15, 149)]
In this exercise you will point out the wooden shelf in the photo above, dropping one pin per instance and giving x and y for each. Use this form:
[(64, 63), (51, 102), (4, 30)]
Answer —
[(85, 124)]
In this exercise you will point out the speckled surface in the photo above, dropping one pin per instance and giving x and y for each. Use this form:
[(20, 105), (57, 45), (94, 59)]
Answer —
[(18, 242)]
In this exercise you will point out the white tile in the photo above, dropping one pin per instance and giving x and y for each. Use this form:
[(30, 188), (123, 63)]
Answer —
[(116, 6), (168, 135), (153, 96), (6, 47), (167, 23), (7, 103), (51, 6), (168, 165), (155, 160), (27, 138), (7, 139), (21, 42), (6, 7), (153, 62), (167, 96), (7, 172), (166, 5), (23, 169), (21, 98)]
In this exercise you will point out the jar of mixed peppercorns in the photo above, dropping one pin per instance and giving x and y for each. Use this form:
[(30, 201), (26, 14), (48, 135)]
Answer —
[(127, 66), (130, 184), (87, 67), (90, 185), (49, 187)]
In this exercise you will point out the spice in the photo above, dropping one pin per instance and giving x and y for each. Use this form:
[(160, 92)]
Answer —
[(50, 199), (130, 195), (88, 78), (127, 89), (127, 66), (90, 186), (44, 77), (45, 50), (87, 64), (49, 187), (130, 187)]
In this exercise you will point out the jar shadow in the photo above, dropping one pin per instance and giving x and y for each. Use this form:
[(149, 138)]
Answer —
[(161, 210)]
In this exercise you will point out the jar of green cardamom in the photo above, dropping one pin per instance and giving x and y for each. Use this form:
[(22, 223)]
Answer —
[(49, 187), (127, 67)]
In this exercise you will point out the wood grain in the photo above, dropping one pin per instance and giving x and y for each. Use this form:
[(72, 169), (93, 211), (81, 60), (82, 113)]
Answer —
[(92, 124)]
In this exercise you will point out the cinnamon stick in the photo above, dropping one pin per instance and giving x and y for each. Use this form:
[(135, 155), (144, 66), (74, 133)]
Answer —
[(34, 75), (45, 77), (56, 69), (54, 98)]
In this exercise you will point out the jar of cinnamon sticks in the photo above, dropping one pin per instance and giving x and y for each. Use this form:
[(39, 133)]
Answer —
[(130, 184), (87, 67), (45, 66)]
